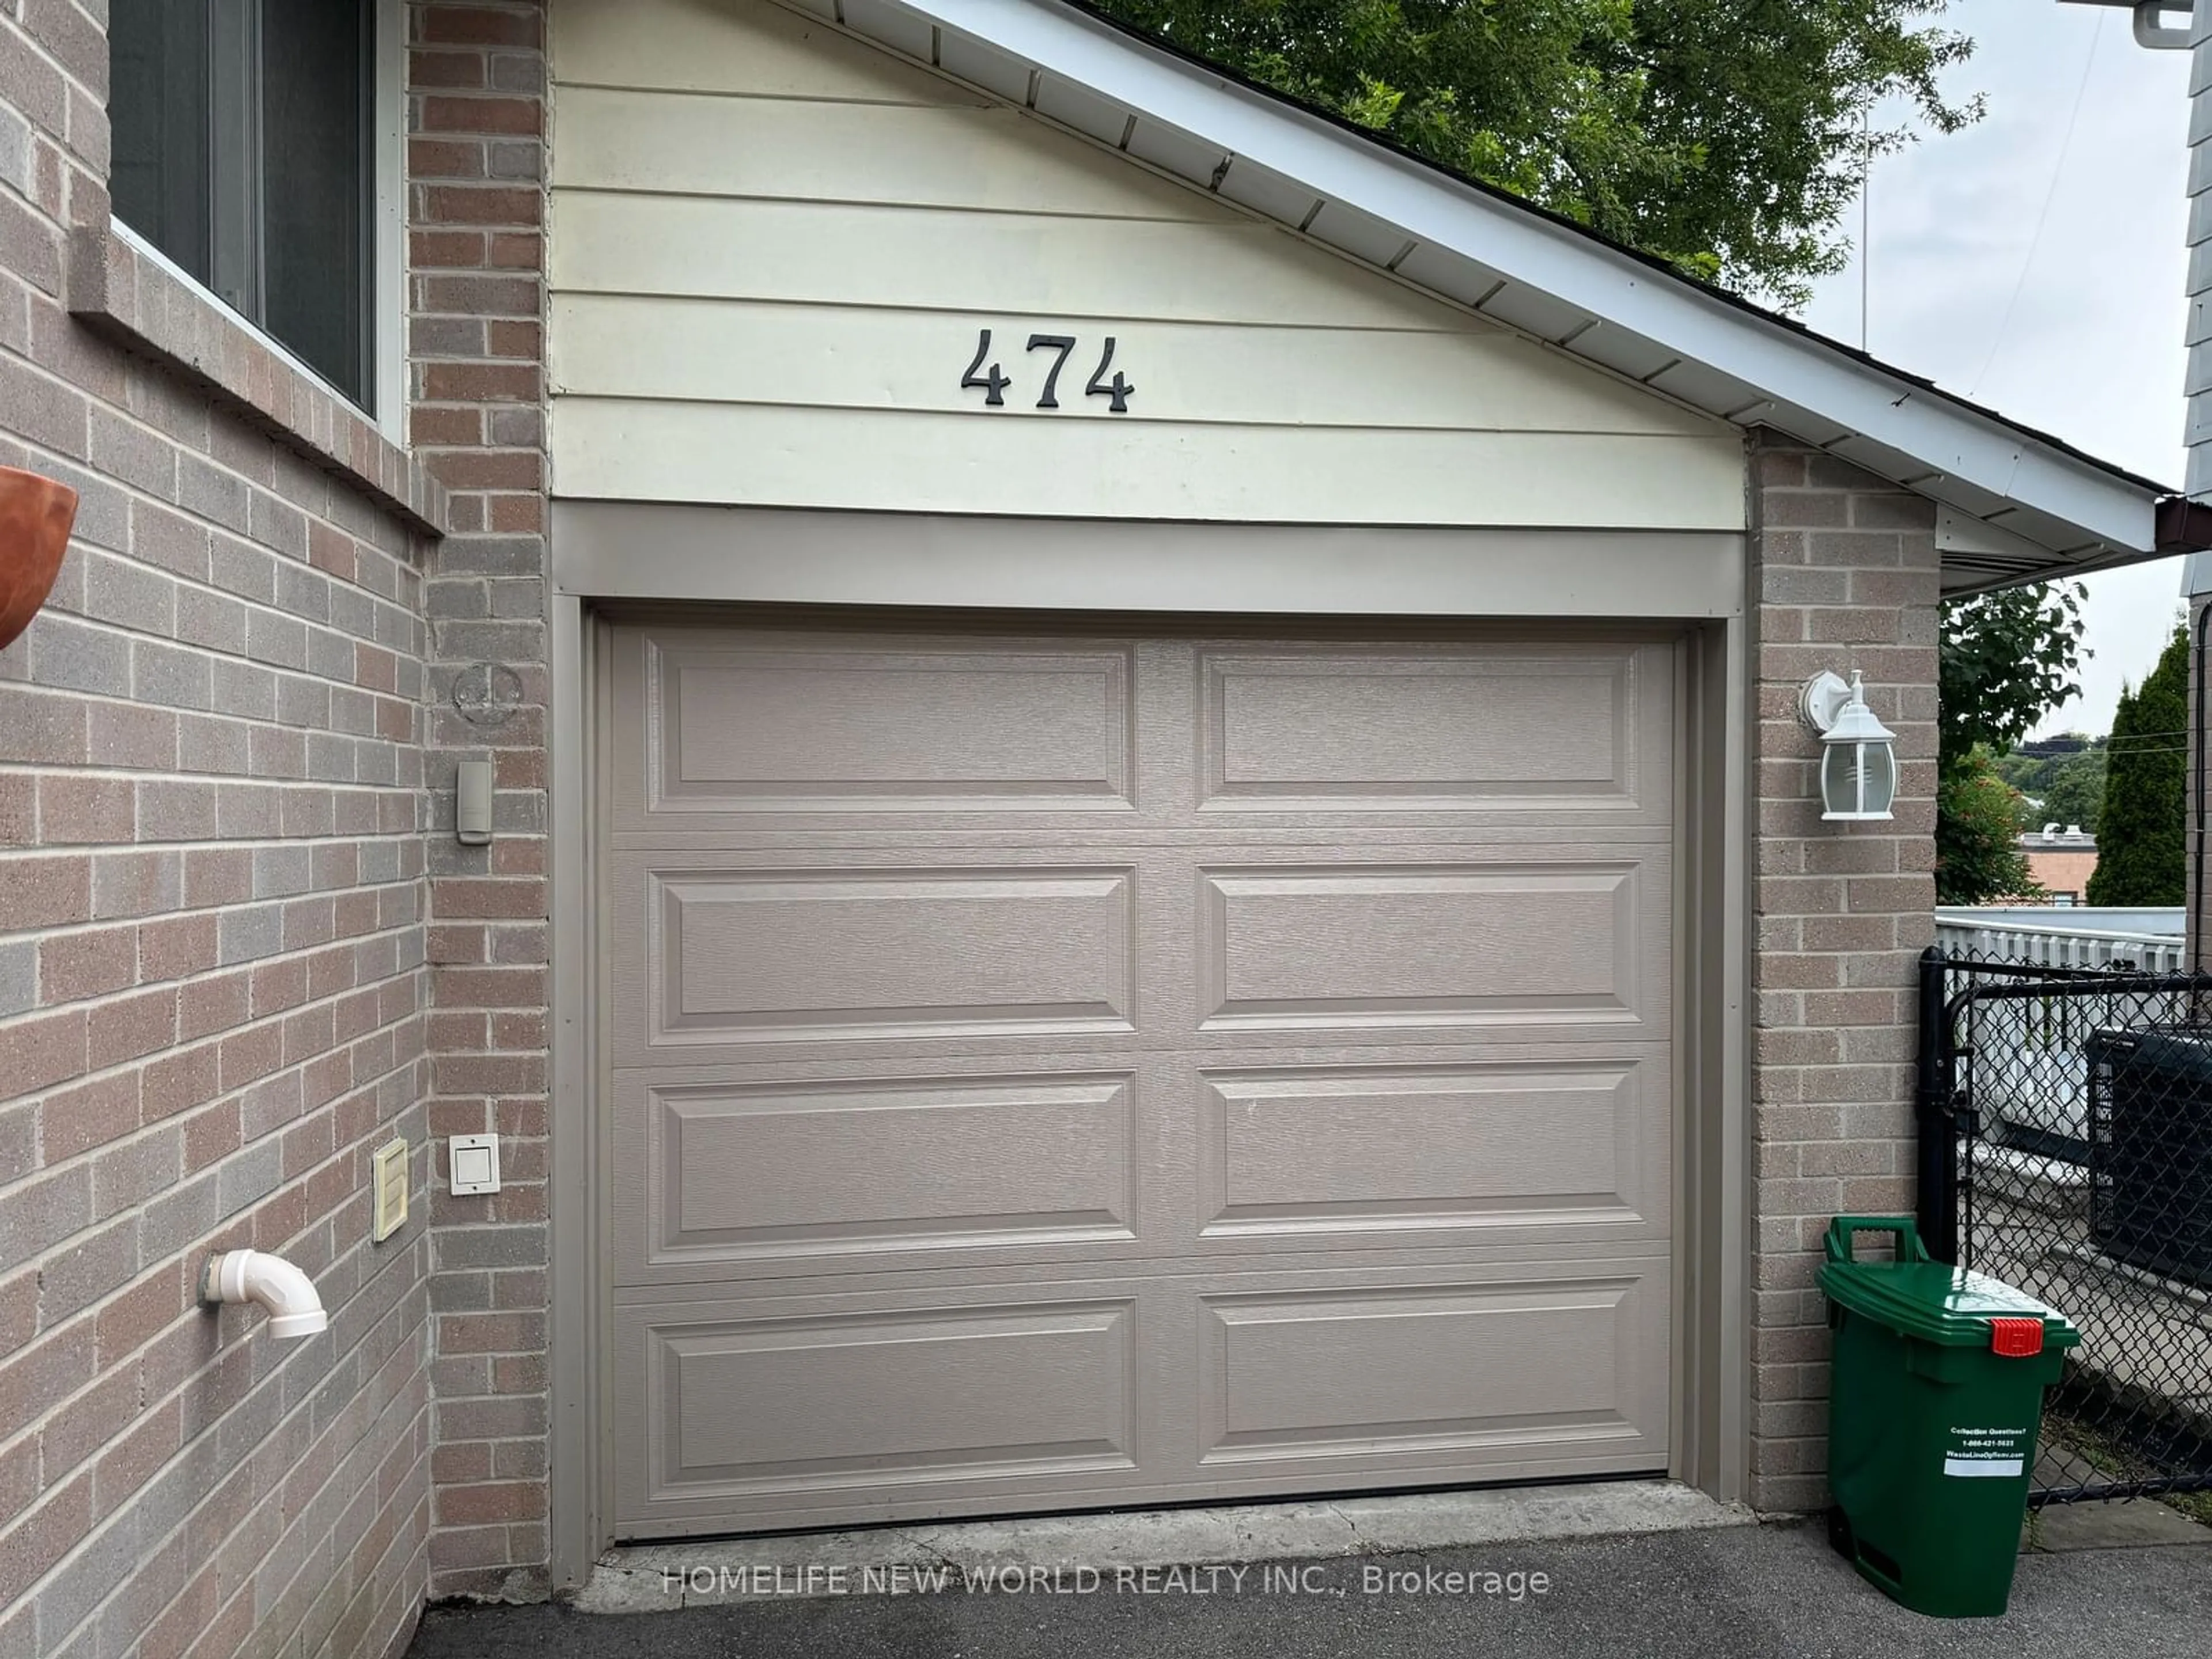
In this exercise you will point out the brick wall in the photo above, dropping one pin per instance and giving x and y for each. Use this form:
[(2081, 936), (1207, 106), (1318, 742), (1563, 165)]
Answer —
[(477, 248), (213, 996), (1844, 575)]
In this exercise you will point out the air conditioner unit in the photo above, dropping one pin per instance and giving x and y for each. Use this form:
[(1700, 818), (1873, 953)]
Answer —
[(2150, 1150)]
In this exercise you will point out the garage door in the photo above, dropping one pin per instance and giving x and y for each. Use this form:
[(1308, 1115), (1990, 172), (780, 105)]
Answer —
[(1049, 1071)]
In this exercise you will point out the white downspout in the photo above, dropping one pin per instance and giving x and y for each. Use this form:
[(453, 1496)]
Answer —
[(294, 1309)]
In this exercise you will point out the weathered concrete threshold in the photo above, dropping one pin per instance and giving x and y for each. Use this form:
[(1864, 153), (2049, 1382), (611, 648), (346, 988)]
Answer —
[(659, 1577)]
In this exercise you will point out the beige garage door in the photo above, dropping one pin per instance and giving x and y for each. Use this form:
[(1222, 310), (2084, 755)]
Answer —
[(1051, 1071)]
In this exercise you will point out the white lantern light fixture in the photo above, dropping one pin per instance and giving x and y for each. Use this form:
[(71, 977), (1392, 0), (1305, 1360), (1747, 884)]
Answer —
[(1858, 760)]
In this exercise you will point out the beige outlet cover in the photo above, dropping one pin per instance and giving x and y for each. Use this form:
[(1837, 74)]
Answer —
[(388, 1180)]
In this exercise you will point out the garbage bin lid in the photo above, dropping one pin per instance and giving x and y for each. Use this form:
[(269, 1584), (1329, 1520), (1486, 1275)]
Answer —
[(1951, 1307)]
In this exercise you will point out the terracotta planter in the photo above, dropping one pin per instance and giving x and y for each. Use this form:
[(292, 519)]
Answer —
[(36, 516)]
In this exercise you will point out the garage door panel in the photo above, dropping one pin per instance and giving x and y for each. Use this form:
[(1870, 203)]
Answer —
[(753, 1402), (1378, 1156), (1451, 940), (919, 1166), (1410, 728), (842, 1175), (740, 725), (1053, 1071), (1358, 1373), (751, 955), (805, 1409)]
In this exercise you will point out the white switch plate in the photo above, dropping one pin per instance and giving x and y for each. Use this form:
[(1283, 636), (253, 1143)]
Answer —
[(472, 1165)]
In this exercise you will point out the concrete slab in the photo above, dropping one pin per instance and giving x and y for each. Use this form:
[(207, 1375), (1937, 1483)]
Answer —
[(2130, 1525), (1776, 1591), (895, 1561)]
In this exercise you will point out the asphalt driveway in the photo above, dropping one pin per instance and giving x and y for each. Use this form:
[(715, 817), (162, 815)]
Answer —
[(1773, 1590)]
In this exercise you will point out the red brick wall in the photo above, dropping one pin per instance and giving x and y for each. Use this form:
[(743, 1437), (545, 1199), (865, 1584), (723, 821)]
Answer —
[(213, 996), (2062, 872), (477, 247)]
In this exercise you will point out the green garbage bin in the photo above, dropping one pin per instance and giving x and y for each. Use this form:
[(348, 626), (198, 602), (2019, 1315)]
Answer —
[(1936, 1400)]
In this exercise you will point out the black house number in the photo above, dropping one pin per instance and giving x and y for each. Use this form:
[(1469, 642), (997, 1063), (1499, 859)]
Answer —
[(992, 383)]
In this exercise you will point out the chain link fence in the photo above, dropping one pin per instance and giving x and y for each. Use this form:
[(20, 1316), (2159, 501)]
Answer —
[(2066, 1119)]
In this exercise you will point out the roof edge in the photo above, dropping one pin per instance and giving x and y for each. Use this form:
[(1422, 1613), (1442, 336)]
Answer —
[(2083, 509)]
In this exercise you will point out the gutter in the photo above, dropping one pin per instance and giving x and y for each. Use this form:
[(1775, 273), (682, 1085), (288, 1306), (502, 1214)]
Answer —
[(2184, 526)]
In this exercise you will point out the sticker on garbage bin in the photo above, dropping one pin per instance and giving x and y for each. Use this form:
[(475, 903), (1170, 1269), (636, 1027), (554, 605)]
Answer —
[(1986, 1454)]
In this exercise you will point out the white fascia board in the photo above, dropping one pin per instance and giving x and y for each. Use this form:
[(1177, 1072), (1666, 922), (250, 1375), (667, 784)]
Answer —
[(1431, 209)]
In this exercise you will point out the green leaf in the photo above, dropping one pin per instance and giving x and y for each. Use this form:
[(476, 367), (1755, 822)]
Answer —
[(1978, 852), (1729, 136)]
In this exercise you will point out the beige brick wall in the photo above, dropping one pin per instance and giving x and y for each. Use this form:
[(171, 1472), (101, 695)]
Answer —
[(1844, 575)]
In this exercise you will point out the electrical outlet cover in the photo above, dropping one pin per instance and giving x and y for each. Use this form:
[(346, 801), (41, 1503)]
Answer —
[(388, 1180), (472, 1165)]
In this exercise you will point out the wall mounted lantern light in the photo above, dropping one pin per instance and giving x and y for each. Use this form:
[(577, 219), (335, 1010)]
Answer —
[(1858, 759)]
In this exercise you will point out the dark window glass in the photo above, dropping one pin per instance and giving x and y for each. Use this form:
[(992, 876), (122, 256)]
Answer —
[(242, 151), (158, 103), (316, 187)]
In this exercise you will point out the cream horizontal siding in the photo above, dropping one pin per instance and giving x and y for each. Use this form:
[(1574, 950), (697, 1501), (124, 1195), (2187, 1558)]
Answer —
[(795, 457), (750, 48), (773, 249), (635, 346), (843, 253), (683, 143)]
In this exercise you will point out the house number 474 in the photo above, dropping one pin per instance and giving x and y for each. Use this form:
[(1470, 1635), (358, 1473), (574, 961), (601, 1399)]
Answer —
[(992, 384)]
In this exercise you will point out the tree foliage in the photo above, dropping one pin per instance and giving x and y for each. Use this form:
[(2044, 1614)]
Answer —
[(2140, 835), (1725, 135), (2066, 787), (2005, 661), (1977, 853), (2074, 790)]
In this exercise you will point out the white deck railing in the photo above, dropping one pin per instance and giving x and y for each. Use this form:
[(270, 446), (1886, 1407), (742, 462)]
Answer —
[(2057, 944), (2029, 1068)]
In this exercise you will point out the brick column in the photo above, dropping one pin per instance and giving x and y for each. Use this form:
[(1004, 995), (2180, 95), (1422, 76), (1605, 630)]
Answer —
[(1844, 575), (477, 114)]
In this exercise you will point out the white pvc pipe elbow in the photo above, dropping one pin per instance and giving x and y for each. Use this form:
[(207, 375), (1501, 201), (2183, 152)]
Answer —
[(290, 1296)]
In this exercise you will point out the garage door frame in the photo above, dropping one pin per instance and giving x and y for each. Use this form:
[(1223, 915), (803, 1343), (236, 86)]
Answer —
[(615, 556)]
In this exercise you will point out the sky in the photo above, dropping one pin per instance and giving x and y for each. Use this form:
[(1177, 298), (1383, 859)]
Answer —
[(2075, 327)]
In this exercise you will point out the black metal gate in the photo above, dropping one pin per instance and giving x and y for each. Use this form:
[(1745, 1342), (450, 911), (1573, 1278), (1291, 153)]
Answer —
[(2066, 1148)]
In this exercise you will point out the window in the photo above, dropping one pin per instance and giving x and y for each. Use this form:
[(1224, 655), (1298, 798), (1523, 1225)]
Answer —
[(244, 151)]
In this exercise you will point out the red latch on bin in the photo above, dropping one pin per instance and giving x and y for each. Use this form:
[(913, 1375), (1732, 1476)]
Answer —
[(2016, 1338)]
